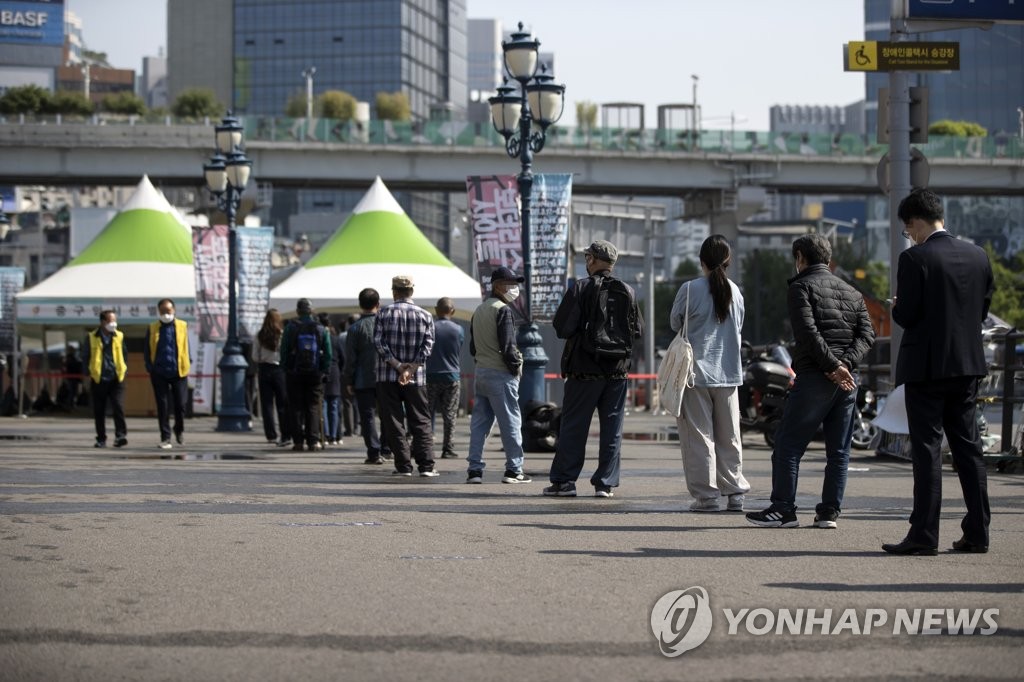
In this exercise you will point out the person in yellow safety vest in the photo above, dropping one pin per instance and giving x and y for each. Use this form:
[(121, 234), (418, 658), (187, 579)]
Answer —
[(167, 361), (108, 365)]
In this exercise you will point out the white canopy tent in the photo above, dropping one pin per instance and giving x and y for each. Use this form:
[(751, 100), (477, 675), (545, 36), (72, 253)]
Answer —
[(144, 254), (376, 243)]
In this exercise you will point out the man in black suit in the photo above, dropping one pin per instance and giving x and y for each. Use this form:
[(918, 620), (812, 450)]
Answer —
[(944, 287)]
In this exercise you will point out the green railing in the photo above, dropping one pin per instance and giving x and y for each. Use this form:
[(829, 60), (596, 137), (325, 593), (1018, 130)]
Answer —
[(649, 141)]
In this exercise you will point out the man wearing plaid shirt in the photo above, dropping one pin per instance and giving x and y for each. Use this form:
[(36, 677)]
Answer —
[(404, 336)]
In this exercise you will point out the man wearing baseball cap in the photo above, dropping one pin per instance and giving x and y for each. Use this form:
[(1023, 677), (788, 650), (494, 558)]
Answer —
[(499, 365), (594, 367), (404, 337)]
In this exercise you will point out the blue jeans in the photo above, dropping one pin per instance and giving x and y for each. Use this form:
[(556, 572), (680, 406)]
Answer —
[(581, 398), (332, 411), (497, 398), (814, 400), (366, 402)]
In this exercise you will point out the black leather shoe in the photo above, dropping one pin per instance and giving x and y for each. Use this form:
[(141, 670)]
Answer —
[(908, 547), (963, 545)]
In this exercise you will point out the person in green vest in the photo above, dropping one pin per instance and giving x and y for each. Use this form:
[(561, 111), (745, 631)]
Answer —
[(108, 365), (499, 365), (168, 362)]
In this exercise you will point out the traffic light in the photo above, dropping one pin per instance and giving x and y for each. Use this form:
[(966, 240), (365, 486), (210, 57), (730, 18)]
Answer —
[(918, 115)]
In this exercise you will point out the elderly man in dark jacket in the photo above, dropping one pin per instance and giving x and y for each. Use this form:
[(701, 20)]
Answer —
[(833, 332), (595, 378)]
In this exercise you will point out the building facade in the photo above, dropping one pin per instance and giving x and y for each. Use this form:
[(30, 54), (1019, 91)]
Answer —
[(252, 53), (987, 89)]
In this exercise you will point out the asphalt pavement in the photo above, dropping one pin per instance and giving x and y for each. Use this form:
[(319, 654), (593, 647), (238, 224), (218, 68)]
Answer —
[(228, 559)]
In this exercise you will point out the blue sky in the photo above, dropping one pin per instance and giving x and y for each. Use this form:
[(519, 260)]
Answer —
[(747, 54)]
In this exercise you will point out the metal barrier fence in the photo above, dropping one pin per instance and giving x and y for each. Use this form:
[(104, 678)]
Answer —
[(476, 134)]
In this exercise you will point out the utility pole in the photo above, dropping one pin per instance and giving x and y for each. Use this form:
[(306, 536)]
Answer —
[(308, 75), (695, 121), (649, 308)]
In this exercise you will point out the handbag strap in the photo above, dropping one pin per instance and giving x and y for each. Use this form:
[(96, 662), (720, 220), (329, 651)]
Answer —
[(686, 315)]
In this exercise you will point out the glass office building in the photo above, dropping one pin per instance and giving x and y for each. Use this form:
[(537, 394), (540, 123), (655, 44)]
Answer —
[(988, 88), (362, 47)]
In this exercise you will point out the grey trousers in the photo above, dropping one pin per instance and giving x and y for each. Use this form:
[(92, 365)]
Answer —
[(709, 437)]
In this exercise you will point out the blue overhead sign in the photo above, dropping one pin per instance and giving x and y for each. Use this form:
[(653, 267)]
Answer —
[(32, 22), (967, 10)]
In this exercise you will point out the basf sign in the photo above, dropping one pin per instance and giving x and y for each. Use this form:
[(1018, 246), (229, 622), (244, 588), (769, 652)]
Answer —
[(1000, 11), (32, 22)]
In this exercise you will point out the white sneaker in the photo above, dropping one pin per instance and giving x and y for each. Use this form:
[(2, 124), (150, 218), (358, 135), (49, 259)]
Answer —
[(704, 504), (735, 503), (429, 473), (165, 445)]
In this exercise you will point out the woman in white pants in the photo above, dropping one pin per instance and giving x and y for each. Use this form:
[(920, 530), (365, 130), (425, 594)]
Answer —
[(709, 422)]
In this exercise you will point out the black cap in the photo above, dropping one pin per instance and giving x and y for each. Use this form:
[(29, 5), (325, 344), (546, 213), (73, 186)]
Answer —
[(503, 274)]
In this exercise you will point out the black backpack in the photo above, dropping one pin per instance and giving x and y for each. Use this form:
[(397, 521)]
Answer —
[(308, 349), (610, 320)]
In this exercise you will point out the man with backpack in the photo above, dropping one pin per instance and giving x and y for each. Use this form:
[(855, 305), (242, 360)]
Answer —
[(306, 354), (600, 321)]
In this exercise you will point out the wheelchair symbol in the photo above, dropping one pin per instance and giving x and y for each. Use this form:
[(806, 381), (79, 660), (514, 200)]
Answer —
[(861, 58)]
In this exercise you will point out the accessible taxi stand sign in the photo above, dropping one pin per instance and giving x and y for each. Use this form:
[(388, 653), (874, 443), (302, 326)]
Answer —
[(877, 55)]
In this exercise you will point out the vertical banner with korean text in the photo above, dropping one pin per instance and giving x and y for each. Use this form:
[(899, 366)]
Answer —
[(493, 202), (550, 205), (204, 367), (254, 245), (210, 257), (12, 281)]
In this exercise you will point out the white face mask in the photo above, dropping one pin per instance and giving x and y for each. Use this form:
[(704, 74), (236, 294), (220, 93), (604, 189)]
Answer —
[(512, 293), (110, 327), (167, 318)]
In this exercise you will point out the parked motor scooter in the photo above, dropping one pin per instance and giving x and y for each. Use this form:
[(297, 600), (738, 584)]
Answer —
[(767, 378)]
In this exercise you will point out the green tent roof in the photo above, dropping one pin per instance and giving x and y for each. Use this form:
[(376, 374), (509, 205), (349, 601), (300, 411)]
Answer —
[(146, 230), (378, 237)]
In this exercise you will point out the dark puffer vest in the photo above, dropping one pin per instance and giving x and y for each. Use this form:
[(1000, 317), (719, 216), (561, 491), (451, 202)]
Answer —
[(830, 321)]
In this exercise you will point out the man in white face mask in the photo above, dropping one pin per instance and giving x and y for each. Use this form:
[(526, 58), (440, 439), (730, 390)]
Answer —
[(168, 363), (108, 364), (499, 365)]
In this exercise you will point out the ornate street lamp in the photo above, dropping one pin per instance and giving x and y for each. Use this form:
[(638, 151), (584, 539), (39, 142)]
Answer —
[(226, 176), (522, 115)]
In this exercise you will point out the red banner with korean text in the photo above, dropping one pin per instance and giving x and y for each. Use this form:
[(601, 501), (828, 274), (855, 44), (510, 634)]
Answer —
[(493, 203), (210, 257)]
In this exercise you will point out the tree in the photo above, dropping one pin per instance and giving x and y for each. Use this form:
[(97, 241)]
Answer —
[(337, 104), (25, 99), (69, 103), (1008, 299), (393, 106), (295, 107), (586, 115), (957, 129), (764, 294), (197, 103), (687, 269), (96, 58), (124, 103)]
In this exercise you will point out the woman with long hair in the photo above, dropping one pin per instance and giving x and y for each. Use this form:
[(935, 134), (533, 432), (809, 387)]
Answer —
[(266, 354), (709, 423)]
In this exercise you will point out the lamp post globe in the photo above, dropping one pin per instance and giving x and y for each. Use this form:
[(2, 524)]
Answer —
[(522, 114), (226, 175)]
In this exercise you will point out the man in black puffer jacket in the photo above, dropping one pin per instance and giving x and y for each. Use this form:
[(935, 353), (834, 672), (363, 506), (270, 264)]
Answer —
[(833, 332)]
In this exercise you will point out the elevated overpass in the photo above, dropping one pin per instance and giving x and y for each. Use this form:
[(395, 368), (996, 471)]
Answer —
[(621, 162)]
